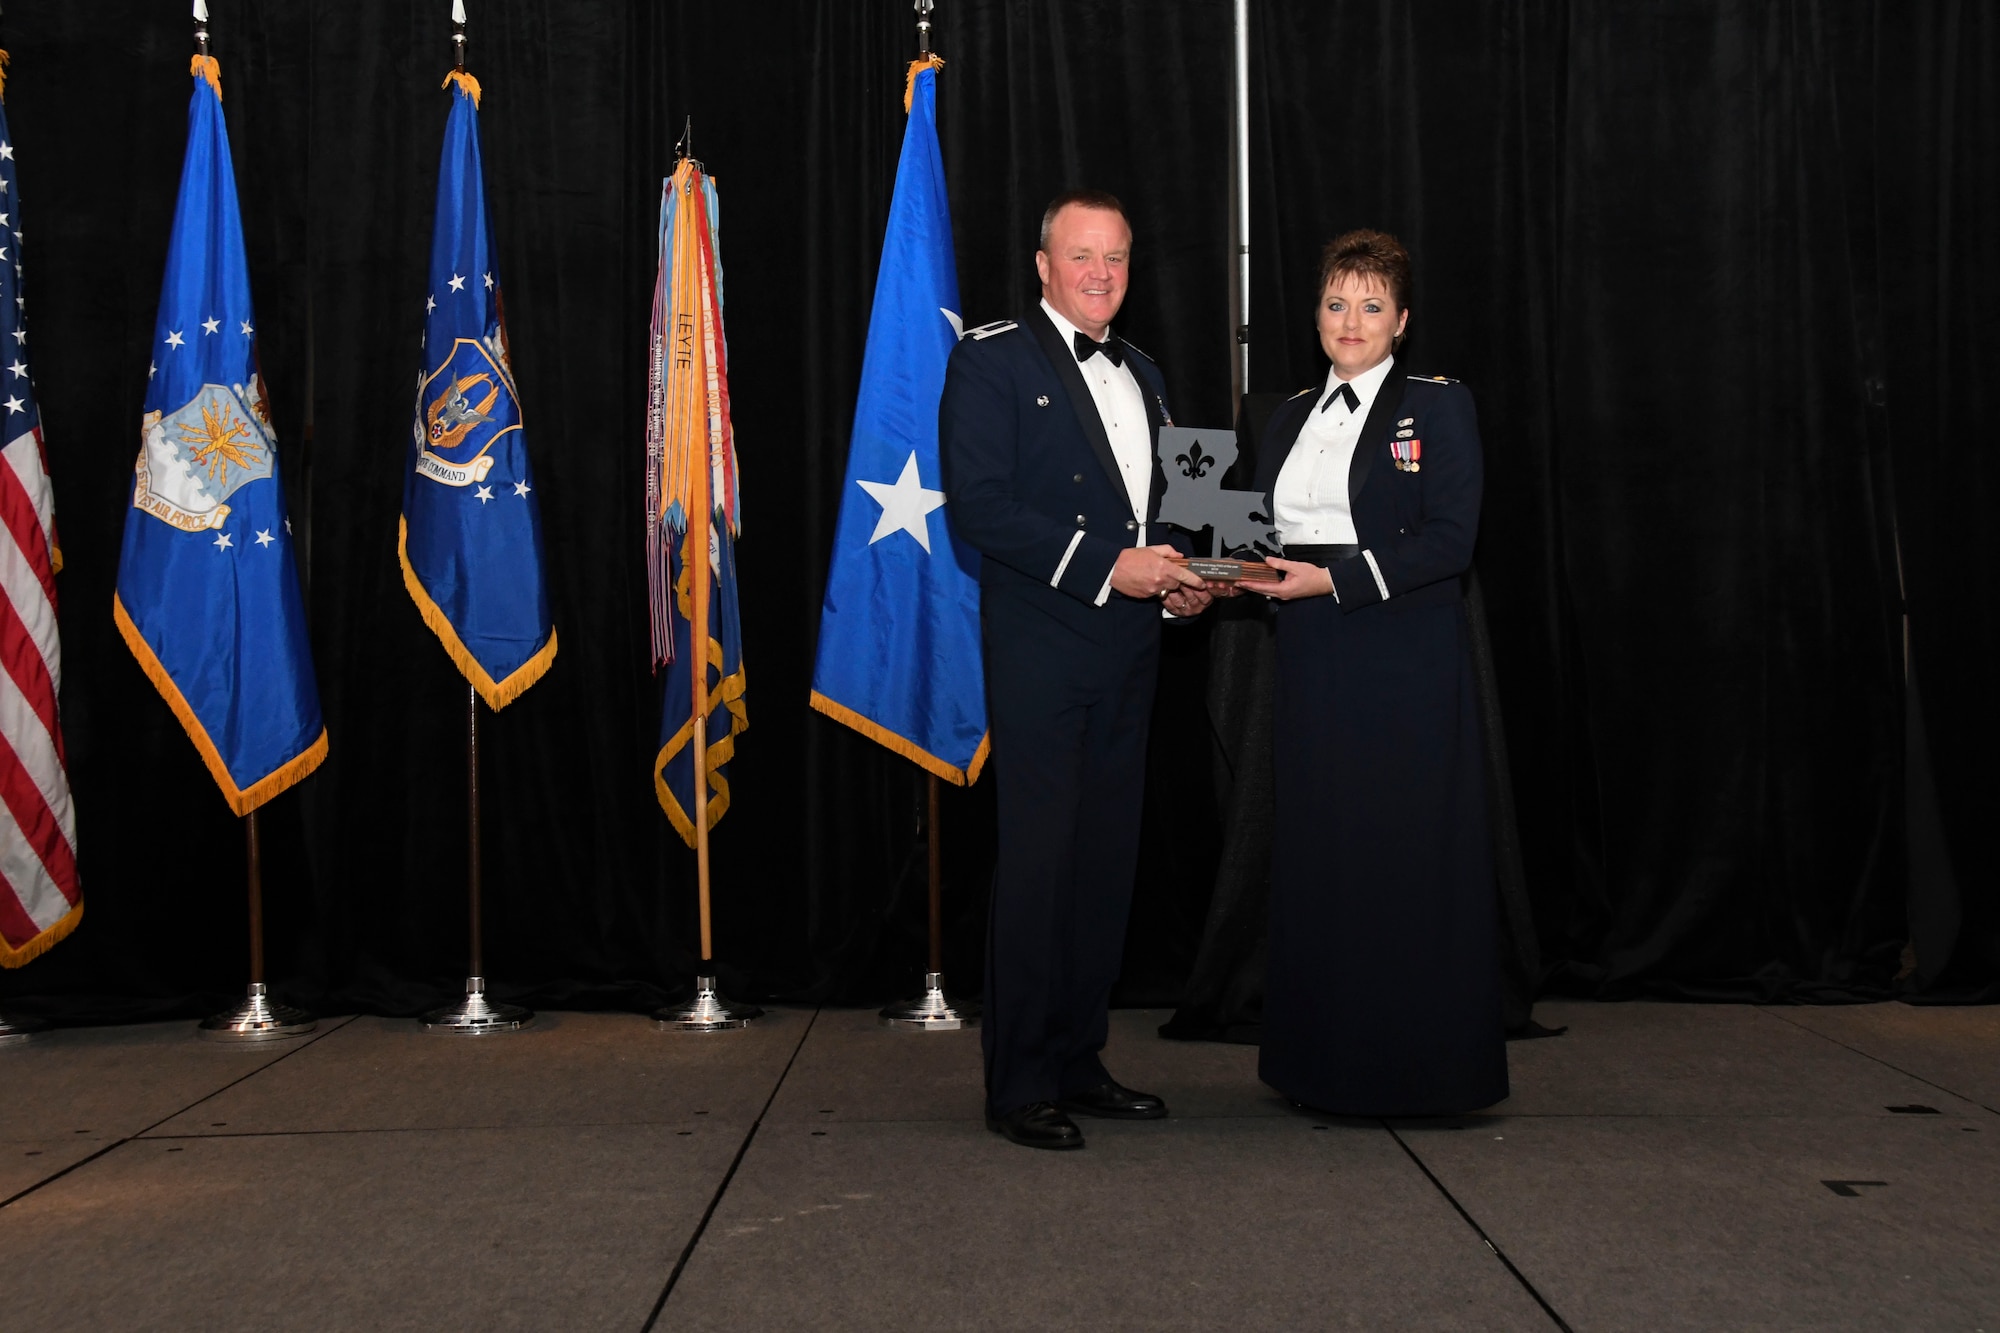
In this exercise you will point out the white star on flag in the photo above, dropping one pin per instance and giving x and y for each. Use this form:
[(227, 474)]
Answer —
[(15, 405), (18, 369), (905, 505), (264, 537), (521, 488), (210, 325), (7, 151), (174, 339), (222, 542), (489, 281), (430, 304), (483, 494), (152, 369), (247, 330), (457, 283)]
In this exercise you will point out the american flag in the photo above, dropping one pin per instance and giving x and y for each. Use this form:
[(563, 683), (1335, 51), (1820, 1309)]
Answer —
[(40, 900)]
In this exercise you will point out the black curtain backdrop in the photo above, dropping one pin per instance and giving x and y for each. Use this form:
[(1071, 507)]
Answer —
[(1721, 275)]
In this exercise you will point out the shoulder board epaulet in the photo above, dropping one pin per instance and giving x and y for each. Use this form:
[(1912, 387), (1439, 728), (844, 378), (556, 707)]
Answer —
[(1140, 351), (1433, 379), (1302, 393), (988, 330)]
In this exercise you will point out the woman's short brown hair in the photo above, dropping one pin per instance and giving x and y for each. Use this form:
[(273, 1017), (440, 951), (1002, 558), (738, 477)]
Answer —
[(1368, 254)]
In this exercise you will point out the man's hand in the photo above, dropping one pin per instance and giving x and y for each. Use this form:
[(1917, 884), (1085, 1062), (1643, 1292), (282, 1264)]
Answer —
[(1188, 602), (1146, 572), (1301, 580)]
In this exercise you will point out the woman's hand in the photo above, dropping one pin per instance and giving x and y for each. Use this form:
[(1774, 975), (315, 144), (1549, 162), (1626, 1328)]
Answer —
[(1301, 580)]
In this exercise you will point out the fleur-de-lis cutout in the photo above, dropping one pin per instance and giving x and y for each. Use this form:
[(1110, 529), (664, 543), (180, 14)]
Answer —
[(1194, 463)]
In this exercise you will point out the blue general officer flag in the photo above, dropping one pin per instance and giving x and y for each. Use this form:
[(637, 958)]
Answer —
[(471, 536), (207, 599), (899, 628)]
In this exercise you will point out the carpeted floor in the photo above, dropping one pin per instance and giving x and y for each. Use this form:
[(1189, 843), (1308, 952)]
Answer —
[(1661, 1167)]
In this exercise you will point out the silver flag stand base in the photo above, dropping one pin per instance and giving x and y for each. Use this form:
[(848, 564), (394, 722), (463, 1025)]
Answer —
[(17, 1031), (706, 1011), (933, 1011), (475, 1015), (257, 1019)]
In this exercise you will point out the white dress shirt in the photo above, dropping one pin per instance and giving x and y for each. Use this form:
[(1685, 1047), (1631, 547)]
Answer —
[(1310, 501), (1121, 406)]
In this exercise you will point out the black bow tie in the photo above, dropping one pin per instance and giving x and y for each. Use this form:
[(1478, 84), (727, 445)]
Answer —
[(1344, 391), (1085, 349)]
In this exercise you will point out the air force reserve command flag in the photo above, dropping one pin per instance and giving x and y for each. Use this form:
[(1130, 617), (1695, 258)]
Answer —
[(471, 539), (207, 597), (899, 629)]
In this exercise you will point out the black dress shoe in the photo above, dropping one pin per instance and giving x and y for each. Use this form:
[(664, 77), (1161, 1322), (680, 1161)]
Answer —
[(1037, 1125), (1113, 1101)]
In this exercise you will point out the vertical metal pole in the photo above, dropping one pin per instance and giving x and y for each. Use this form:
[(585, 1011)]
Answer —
[(936, 875), (472, 874), (256, 1017), (1240, 375), (256, 899)]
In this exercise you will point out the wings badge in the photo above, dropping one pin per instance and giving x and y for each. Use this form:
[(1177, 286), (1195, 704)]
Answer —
[(463, 408)]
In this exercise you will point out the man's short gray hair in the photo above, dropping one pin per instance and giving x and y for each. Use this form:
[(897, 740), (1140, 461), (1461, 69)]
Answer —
[(1103, 199)]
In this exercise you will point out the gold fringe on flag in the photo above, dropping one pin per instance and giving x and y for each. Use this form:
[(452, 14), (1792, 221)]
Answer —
[(209, 68), (917, 67), (242, 800), (4, 59), (465, 81), (42, 943)]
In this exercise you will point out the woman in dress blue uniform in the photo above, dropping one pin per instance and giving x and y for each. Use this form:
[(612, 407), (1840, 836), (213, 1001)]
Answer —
[(1384, 989)]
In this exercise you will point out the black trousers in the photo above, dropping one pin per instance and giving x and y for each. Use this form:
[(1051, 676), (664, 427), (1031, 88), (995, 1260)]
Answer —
[(1069, 721)]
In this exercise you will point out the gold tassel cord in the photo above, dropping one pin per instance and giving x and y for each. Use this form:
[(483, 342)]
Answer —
[(208, 67), (464, 81), (917, 67), (4, 59)]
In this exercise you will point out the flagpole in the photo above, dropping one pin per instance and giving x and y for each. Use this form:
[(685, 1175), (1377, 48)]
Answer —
[(255, 1017), (932, 1011), (707, 1010), (475, 1015), (1239, 218)]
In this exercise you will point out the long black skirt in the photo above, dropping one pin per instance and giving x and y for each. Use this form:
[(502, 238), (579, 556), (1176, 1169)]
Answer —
[(1384, 985)]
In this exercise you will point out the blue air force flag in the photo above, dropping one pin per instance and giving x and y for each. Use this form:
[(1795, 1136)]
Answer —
[(899, 628), (471, 537), (207, 597)]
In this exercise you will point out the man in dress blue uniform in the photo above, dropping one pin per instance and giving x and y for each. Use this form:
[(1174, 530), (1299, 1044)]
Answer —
[(1047, 429)]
